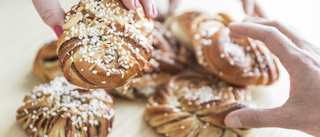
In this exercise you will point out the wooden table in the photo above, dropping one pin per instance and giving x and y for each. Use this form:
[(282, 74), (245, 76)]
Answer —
[(23, 32)]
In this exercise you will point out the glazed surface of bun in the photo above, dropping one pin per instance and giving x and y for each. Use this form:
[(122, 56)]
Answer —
[(46, 65), (59, 109), (104, 45), (190, 104), (246, 62)]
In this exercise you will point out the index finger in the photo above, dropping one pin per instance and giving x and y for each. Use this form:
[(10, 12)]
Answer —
[(50, 11), (148, 5), (277, 42)]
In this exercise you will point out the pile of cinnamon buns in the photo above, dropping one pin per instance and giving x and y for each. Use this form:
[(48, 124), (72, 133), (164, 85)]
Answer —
[(185, 67)]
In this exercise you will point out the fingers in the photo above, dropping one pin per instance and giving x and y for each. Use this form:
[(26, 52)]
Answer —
[(248, 6), (258, 11), (132, 4), (50, 11), (148, 5), (252, 8), (277, 42), (256, 118), (173, 4), (149, 8), (291, 33)]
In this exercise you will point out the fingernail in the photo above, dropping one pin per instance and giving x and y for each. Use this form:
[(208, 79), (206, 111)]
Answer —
[(154, 10), (58, 30), (233, 122), (136, 3)]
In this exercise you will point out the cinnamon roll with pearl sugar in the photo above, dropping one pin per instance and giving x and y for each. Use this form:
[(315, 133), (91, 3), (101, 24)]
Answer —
[(167, 58), (104, 45), (246, 62), (59, 109), (192, 105)]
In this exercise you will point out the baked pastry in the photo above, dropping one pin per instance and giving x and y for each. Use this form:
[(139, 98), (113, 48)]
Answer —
[(142, 88), (167, 54), (46, 65), (59, 109), (190, 104), (167, 58), (247, 62), (180, 26), (104, 45)]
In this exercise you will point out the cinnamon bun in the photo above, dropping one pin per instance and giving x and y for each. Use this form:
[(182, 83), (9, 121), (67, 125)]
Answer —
[(104, 45), (190, 104), (246, 62), (59, 109)]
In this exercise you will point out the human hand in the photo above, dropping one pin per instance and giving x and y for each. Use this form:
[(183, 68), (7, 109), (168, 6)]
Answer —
[(252, 8), (53, 15), (301, 60)]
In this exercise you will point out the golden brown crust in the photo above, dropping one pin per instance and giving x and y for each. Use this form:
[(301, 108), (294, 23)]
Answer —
[(167, 54), (191, 104), (46, 65), (181, 27), (104, 45), (243, 63), (167, 58), (59, 109), (246, 62)]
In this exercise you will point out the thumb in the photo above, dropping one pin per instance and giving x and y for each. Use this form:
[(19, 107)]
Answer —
[(254, 118)]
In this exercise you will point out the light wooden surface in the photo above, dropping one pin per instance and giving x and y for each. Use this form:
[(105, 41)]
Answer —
[(23, 32)]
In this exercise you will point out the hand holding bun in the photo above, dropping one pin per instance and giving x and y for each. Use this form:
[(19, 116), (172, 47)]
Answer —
[(59, 109), (104, 45), (190, 104), (246, 62)]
